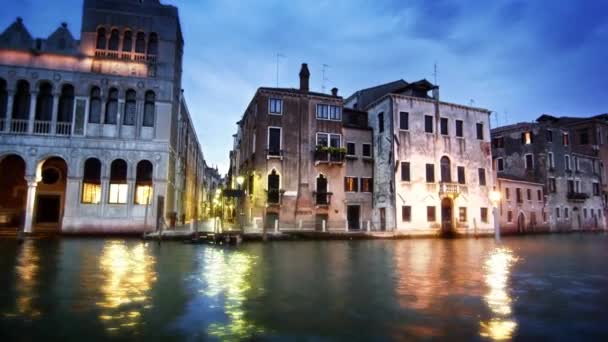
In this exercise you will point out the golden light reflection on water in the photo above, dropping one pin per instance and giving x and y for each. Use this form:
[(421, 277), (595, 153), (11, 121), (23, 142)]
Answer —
[(228, 275), (497, 270), (27, 271), (127, 276)]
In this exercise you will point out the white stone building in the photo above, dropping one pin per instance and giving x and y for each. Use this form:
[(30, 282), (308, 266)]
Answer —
[(433, 164), (93, 129)]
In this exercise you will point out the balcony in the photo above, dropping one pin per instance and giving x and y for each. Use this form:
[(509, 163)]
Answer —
[(39, 127), (274, 197), (577, 197), (125, 56), (331, 155), (274, 153), (322, 198), (17, 126), (452, 189)]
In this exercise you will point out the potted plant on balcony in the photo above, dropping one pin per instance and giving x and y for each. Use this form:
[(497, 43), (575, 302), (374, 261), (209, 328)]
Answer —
[(321, 153), (337, 153)]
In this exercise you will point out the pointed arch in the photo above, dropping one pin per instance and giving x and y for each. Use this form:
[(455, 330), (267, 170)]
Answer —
[(66, 103), (101, 38)]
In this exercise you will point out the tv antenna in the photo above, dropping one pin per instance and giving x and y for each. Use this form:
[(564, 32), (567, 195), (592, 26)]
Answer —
[(435, 73), (279, 55), (325, 67)]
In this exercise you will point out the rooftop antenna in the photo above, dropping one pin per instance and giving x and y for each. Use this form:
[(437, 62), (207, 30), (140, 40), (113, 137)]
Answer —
[(471, 102), (435, 73), (279, 55), (325, 67)]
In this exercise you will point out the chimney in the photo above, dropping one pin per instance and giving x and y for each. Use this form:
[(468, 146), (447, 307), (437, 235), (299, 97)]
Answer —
[(19, 19), (64, 25), (304, 78), (334, 91)]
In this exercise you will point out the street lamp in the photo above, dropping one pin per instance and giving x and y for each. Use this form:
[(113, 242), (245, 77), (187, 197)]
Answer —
[(495, 199), (239, 181)]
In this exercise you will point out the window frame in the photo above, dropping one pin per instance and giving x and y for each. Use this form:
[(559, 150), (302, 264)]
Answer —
[(276, 100), (355, 184), (280, 140), (444, 123), (408, 173), (481, 171), (479, 128), (429, 119), (407, 121), (459, 128), (363, 150), (354, 145), (406, 213)]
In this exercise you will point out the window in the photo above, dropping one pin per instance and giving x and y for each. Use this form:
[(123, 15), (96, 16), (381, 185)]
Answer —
[(140, 43), (479, 131), (443, 123), (428, 124), (112, 107), (539, 195), (596, 189), (576, 165), (532, 218), (3, 99), (130, 105), (21, 103), (404, 123), (327, 112), (367, 185), (498, 142), (380, 122), (529, 194), (430, 173), (350, 149), (459, 130), (482, 176), (153, 44), (565, 139), (127, 41), (335, 113), (484, 215), (101, 38), (406, 213), (583, 137), (566, 213), (509, 216), (118, 182), (66, 104), (529, 162), (570, 186), (518, 195), (462, 214), (577, 184), (526, 138), (446, 170), (430, 214), (557, 213), (274, 184), (44, 103), (551, 160), (114, 40), (331, 140), (91, 181), (275, 106), (544, 216), (405, 171), (507, 193), (567, 162), (322, 197), (143, 183), (149, 109), (274, 141), (461, 175), (500, 164), (351, 184), (549, 135), (367, 150), (95, 105)]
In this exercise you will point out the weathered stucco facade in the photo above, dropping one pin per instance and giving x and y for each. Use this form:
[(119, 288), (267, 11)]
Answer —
[(522, 207), (107, 114)]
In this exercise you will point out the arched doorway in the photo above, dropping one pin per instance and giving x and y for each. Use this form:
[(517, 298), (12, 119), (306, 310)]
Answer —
[(446, 174), (14, 192), (447, 216), (50, 194), (521, 223)]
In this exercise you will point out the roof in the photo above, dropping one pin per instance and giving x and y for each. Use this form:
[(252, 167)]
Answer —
[(296, 91), (369, 95)]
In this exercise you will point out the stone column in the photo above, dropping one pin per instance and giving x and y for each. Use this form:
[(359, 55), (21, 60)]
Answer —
[(105, 188), (32, 183), (119, 115), (130, 196), (53, 129), (30, 123), (9, 111)]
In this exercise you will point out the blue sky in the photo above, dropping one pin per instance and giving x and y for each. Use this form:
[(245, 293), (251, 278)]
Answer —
[(517, 58)]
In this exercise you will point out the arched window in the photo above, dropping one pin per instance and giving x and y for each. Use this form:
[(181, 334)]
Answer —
[(21, 103), (3, 98), (95, 105), (91, 181), (44, 102), (274, 182), (118, 182), (112, 107), (140, 43), (143, 183), (322, 190), (127, 41), (446, 173), (153, 44), (129, 115), (149, 109), (114, 40), (101, 38), (66, 104)]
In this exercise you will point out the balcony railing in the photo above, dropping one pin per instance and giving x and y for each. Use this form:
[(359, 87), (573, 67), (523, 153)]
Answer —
[(274, 196), (452, 189), (322, 198), (125, 56), (578, 197), (63, 128), (42, 127), (19, 126), (322, 156), (274, 153)]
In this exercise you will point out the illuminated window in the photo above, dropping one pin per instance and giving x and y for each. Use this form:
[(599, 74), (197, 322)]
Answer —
[(143, 182), (130, 103), (149, 109), (91, 181), (526, 138), (351, 184), (367, 185), (118, 182)]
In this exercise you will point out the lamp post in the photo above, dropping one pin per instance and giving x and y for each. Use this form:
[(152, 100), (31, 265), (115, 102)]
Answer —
[(239, 181), (495, 199)]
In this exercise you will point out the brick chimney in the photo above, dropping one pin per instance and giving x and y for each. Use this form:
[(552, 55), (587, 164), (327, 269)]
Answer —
[(304, 78), (334, 91)]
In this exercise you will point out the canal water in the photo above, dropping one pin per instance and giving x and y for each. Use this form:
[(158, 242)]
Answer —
[(533, 288)]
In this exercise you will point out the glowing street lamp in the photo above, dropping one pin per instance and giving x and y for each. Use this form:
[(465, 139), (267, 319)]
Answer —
[(495, 197), (240, 180)]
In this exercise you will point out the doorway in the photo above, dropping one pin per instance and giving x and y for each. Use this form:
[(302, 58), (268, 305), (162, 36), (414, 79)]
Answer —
[(447, 214), (382, 219), (521, 223), (48, 209), (353, 213)]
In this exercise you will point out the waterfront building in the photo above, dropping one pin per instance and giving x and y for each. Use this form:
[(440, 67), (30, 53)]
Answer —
[(567, 156), (95, 133), (432, 161), (306, 162), (522, 206)]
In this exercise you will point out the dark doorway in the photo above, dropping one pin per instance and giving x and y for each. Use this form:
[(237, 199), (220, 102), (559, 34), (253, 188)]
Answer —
[(353, 213), (447, 214), (48, 209), (271, 218), (273, 188), (14, 191), (521, 223), (319, 218), (382, 219), (322, 191)]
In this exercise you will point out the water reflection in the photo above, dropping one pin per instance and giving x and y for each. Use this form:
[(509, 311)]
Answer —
[(227, 277), (27, 271), (127, 277), (497, 270)]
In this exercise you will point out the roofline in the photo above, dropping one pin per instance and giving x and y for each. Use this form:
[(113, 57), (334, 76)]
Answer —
[(426, 100)]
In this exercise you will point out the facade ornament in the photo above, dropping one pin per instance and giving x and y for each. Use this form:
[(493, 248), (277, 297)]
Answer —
[(34, 75), (57, 77), (33, 151)]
